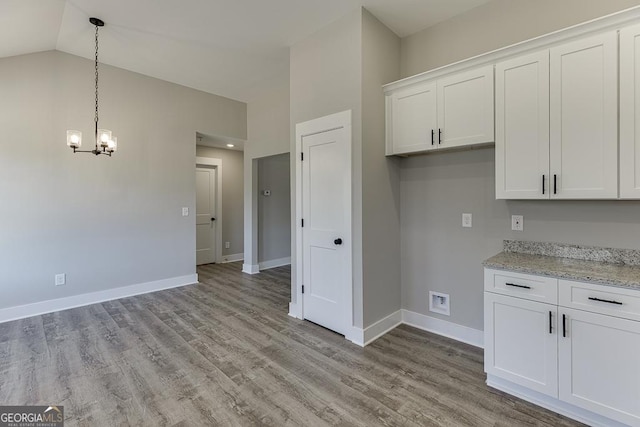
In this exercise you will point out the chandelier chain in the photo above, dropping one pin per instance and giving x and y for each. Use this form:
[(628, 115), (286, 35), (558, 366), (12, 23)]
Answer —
[(96, 118)]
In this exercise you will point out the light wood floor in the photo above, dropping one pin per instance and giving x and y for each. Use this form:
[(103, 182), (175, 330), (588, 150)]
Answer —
[(225, 352)]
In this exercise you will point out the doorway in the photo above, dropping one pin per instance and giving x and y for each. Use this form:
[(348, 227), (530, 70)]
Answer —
[(208, 206)]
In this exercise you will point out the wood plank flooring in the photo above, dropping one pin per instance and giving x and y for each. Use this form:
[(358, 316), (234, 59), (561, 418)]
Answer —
[(225, 352)]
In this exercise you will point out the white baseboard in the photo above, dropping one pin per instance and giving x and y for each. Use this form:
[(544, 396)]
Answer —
[(293, 311), (251, 268), (232, 258), (382, 326), (59, 304), (451, 330), (555, 405), (356, 336), (265, 265)]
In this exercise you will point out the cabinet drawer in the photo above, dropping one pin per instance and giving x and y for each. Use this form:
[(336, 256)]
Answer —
[(534, 288), (602, 299)]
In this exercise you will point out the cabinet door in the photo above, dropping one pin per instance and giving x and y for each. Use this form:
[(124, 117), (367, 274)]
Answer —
[(413, 117), (465, 108), (522, 127), (599, 364), (584, 119), (521, 344), (630, 113)]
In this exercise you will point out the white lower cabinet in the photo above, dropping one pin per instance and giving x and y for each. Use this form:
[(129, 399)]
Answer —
[(583, 363), (599, 367), (522, 345)]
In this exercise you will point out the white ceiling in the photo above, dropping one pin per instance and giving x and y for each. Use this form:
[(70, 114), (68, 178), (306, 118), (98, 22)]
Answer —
[(226, 47)]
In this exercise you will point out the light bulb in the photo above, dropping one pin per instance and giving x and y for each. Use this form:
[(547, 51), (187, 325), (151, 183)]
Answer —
[(230, 145), (112, 145), (74, 138), (104, 136)]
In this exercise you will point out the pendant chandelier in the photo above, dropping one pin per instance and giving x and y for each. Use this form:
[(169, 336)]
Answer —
[(106, 143)]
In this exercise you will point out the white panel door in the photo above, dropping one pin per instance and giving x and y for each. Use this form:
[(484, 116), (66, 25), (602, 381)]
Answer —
[(522, 127), (630, 113), (205, 215), (326, 212), (521, 342), (414, 119), (584, 118), (465, 108), (599, 364)]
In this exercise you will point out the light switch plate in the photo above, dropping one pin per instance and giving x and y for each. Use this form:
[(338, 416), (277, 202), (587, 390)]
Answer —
[(466, 220), (185, 211)]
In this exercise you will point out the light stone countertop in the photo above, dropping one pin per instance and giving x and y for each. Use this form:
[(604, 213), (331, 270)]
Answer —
[(621, 274)]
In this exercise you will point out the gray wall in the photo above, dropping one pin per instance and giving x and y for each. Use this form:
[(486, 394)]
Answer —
[(268, 134), (380, 175), (232, 196), (105, 222), (325, 78), (274, 211), (437, 253), (494, 25)]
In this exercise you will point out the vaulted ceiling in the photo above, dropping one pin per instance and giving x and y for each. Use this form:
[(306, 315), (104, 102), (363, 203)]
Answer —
[(227, 47)]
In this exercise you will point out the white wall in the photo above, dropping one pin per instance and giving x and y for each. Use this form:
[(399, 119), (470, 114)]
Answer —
[(274, 211), (105, 222), (437, 253), (232, 196)]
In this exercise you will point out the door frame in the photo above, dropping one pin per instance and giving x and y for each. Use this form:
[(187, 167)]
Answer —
[(215, 164), (328, 123)]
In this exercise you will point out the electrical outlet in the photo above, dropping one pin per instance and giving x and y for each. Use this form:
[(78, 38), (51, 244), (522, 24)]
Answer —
[(185, 211), (60, 279), (227, 245), (517, 222), (466, 220), (439, 303)]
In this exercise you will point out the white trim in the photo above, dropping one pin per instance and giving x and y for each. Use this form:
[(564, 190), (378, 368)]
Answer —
[(266, 265), (294, 311), (217, 164), (59, 304), (382, 326), (447, 329), (251, 268), (355, 335), (322, 124), (553, 404), (610, 22), (232, 258)]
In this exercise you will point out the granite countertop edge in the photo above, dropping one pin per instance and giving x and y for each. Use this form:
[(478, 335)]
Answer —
[(601, 273)]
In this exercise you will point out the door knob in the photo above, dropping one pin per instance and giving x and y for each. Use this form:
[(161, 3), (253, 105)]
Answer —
[(213, 219), (338, 241)]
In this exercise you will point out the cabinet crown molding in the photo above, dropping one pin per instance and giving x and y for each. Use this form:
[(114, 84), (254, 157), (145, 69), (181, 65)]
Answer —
[(614, 21)]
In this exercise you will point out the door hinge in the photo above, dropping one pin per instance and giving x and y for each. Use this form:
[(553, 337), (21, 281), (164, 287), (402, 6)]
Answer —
[(302, 221), (303, 289), (301, 157)]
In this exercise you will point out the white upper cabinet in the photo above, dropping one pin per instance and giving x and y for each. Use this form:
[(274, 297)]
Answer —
[(465, 108), (630, 113), (414, 120), (584, 118), (522, 127), (453, 111)]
